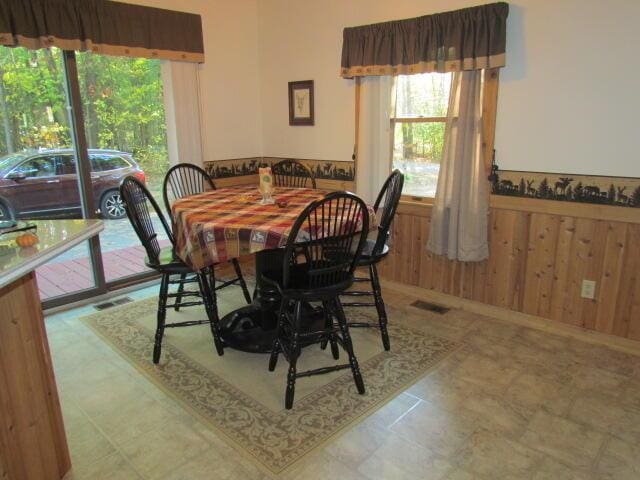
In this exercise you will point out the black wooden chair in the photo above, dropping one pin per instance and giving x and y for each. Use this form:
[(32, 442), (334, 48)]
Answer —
[(374, 251), (338, 224), (140, 205), (181, 181), (291, 173)]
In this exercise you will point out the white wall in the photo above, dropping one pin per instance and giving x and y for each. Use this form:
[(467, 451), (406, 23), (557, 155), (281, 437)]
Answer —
[(229, 85), (567, 96)]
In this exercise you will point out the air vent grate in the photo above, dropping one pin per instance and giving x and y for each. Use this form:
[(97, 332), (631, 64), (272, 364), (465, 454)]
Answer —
[(431, 307), (113, 303)]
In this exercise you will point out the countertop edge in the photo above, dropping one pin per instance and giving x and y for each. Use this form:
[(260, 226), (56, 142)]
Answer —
[(33, 263)]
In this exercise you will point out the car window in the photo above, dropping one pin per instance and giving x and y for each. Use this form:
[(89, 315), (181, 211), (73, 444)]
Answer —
[(37, 167), (66, 165), (103, 163)]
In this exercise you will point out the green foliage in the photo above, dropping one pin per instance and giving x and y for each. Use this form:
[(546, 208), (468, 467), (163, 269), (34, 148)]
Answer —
[(122, 104)]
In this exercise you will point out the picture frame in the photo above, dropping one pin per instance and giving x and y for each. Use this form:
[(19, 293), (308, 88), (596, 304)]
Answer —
[(301, 111)]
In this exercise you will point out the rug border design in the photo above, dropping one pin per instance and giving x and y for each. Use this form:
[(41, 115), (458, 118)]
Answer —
[(248, 412)]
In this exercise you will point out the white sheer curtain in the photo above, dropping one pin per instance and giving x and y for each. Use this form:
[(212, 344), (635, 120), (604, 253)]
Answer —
[(374, 156), (182, 111), (459, 218)]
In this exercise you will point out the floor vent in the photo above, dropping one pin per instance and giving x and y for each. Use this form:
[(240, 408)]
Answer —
[(113, 303), (430, 307)]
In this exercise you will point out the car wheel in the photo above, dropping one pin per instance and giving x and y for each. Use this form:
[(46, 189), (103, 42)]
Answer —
[(112, 206), (5, 213)]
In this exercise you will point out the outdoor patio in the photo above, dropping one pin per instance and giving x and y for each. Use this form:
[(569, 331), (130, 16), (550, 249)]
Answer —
[(122, 256)]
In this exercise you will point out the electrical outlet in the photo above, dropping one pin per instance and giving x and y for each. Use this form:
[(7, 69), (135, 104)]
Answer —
[(588, 289)]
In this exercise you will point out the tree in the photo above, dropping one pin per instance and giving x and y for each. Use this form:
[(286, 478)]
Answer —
[(635, 198), (543, 188)]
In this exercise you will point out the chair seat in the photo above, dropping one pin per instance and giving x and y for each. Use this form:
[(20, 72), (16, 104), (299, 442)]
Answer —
[(168, 262), (300, 283), (368, 257)]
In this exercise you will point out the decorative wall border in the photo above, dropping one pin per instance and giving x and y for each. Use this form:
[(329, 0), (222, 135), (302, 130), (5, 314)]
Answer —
[(342, 170), (603, 190)]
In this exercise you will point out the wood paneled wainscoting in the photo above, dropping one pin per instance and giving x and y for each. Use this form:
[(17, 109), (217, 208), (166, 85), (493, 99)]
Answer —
[(540, 252)]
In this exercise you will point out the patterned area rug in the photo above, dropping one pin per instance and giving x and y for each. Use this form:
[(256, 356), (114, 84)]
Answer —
[(237, 396)]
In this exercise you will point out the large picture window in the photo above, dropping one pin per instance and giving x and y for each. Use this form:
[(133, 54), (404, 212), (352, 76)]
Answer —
[(418, 126)]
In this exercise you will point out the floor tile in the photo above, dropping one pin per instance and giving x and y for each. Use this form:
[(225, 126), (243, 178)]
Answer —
[(530, 392), (398, 458), (358, 443), (87, 444), (158, 452), (435, 428), (493, 456), (551, 469), (565, 440), (112, 467), (619, 461), (496, 414), (600, 412), (483, 370), (132, 419)]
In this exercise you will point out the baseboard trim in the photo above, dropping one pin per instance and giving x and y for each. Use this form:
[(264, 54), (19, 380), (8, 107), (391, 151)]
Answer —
[(523, 319)]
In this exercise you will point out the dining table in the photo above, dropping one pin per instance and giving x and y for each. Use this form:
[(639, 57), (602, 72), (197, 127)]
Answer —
[(218, 225)]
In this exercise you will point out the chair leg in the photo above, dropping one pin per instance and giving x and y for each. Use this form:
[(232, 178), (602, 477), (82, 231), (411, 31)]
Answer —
[(162, 314), (243, 284), (348, 346), (275, 350), (327, 324), (382, 312), (210, 305), (331, 338), (183, 277), (293, 357)]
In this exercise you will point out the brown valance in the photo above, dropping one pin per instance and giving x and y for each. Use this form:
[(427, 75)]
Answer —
[(468, 39), (103, 27)]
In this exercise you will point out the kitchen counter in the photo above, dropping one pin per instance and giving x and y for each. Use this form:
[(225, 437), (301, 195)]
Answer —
[(33, 443), (55, 237)]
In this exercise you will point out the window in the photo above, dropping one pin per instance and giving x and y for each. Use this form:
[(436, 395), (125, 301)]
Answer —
[(418, 125), (66, 165), (104, 163), (37, 167)]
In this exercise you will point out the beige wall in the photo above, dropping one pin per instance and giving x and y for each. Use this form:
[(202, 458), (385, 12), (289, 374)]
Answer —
[(229, 86), (567, 97)]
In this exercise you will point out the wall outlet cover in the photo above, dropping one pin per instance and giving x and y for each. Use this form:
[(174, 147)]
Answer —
[(588, 289)]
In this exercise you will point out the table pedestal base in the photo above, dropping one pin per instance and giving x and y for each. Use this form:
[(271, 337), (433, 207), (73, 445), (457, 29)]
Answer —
[(253, 328)]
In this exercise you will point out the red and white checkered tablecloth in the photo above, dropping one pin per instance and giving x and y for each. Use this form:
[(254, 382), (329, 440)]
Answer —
[(219, 225)]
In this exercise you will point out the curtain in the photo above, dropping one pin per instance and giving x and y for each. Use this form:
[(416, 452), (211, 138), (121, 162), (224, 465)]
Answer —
[(459, 219), (181, 90), (374, 156), (102, 26), (468, 39)]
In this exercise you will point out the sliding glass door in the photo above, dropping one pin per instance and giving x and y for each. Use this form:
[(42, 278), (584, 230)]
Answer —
[(125, 129), (73, 125)]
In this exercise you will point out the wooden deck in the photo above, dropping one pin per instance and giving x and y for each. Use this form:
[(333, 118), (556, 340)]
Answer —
[(61, 278)]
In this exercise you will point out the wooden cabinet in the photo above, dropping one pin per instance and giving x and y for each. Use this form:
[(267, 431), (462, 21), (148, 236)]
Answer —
[(33, 444)]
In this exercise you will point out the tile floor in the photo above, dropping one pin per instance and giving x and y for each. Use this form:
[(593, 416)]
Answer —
[(514, 403)]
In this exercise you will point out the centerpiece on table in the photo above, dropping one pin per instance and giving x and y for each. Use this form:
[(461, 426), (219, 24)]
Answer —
[(266, 185)]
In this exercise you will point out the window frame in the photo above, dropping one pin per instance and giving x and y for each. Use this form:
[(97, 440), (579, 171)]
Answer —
[(490, 85)]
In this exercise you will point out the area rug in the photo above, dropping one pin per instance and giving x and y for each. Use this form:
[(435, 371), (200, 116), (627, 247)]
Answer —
[(237, 396)]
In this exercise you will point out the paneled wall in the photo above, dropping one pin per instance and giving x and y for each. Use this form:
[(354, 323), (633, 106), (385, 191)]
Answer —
[(540, 252)]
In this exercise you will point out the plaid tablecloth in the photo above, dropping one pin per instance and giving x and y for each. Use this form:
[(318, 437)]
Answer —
[(219, 225)]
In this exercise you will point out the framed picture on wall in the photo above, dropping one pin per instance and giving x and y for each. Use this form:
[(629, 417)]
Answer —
[(301, 103)]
